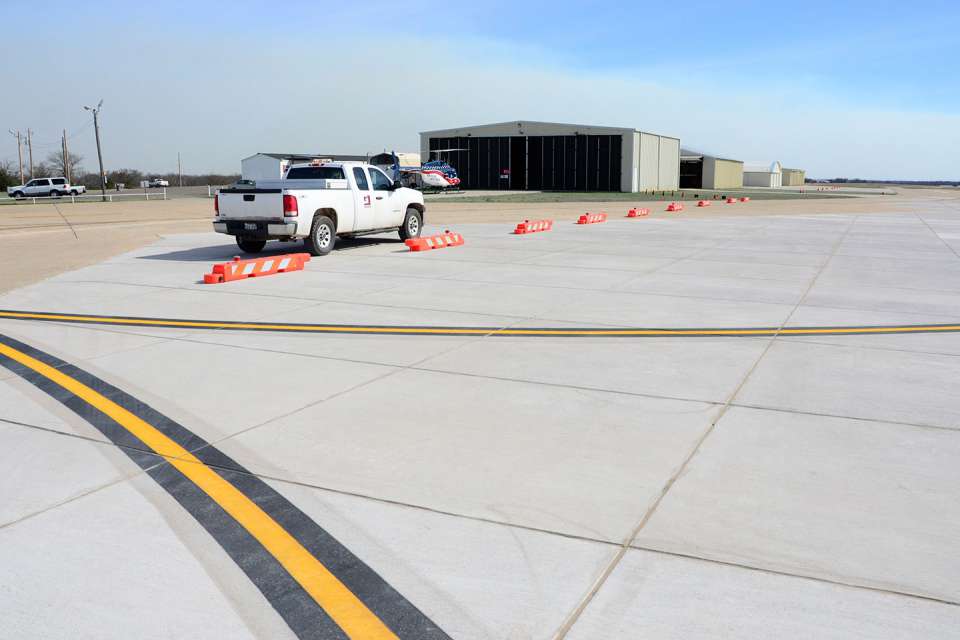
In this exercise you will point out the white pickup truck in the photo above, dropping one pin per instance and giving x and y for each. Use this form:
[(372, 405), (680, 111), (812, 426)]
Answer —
[(318, 202), (46, 187)]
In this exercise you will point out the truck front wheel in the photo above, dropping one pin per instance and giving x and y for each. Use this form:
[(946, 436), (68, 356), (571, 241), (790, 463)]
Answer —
[(412, 224), (323, 235), (249, 245)]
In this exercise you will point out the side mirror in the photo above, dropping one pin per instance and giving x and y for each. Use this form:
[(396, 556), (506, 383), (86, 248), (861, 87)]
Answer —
[(396, 185)]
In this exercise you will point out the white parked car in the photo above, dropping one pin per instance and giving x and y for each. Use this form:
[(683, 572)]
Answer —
[(159, 182), (318, 202), (46, 187)]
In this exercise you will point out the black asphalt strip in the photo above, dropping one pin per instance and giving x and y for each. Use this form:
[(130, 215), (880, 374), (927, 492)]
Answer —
[(301, 612)]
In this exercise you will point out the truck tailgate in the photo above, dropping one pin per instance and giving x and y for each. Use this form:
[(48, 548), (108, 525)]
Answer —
[(250, 204)]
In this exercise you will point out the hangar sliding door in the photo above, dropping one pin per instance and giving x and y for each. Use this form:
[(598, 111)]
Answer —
[(535, 155), (518, 163), (560, 163)]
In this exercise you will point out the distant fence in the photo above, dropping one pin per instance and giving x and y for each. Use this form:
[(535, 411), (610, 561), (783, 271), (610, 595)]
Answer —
[(120, 195), (124, 195)]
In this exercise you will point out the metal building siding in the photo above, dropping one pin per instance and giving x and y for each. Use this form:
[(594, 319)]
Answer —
[(794, 177), (649, 161), (668, 166), (728, 174)]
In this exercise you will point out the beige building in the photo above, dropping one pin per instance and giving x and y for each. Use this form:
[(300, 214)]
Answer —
[(700, 171), (556, 156), (794, 177)]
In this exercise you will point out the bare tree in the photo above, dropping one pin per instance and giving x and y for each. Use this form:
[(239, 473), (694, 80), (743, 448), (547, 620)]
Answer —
[(55, 161)]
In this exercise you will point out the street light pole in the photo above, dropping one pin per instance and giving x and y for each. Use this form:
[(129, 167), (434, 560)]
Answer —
[(96, 129)]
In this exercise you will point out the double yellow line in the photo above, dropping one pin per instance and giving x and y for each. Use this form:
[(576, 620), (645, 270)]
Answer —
[(477, 331), (341, 604)]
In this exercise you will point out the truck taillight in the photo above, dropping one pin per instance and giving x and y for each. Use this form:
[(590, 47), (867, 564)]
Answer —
[(216, 205), (290, 206)]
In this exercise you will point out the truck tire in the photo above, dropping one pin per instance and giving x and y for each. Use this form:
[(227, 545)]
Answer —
[(412, 224), (249, 245), (323, 235), (74, 192), (18, 194), (54, 193)]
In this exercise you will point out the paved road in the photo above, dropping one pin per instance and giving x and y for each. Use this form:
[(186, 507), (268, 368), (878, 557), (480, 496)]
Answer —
[(503, 487)]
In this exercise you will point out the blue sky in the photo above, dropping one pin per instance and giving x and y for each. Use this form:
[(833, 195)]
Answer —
[(842, 89)]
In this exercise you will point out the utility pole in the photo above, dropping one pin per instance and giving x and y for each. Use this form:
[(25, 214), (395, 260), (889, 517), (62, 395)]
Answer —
[(66, 158), (179, 169), (19, 151), (30, 147), (96, 129)]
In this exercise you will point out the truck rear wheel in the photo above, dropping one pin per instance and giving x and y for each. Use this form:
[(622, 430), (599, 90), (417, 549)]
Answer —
[(412, 224), (249, 245), (323, 235)]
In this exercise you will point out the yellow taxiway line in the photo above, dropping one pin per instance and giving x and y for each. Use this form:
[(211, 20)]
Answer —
[(477, 331), (343, 607)]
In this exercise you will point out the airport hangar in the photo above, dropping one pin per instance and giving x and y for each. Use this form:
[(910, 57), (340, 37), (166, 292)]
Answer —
[(527, 155), (702, 171)]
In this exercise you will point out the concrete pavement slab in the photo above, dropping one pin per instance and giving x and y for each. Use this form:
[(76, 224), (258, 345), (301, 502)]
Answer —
[(638, 309), (718, 288), (884, 299), (483, 448), (476, 580), (73, 342), (852, 501), (894, 386), (758, 255), (705, 369), (220, 390), (652, 595), (125, 561), (42, 469), (740, 269)]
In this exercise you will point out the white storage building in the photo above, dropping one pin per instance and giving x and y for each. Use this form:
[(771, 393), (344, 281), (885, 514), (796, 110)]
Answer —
[(763, 174)]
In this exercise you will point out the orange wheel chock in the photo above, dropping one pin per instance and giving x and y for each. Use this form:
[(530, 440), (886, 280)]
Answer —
[(445, 239), (238, 269)]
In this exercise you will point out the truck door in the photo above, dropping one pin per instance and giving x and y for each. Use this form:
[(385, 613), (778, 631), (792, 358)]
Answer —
[(386, 202), (363, 202)]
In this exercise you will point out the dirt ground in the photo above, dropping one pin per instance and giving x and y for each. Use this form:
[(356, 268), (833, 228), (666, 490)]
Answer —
[(39, 241)]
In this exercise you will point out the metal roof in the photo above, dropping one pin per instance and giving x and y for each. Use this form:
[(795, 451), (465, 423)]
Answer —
[(762, 167), (520, 123), (690, 154)]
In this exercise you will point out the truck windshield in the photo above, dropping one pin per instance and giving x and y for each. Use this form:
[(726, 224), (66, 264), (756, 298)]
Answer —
[(315, 173)]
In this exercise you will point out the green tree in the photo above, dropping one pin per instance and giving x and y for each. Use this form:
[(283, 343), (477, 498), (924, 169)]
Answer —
[(9, 174)]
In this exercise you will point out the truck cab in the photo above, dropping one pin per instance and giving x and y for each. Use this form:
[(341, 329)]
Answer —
[(317, 202)]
